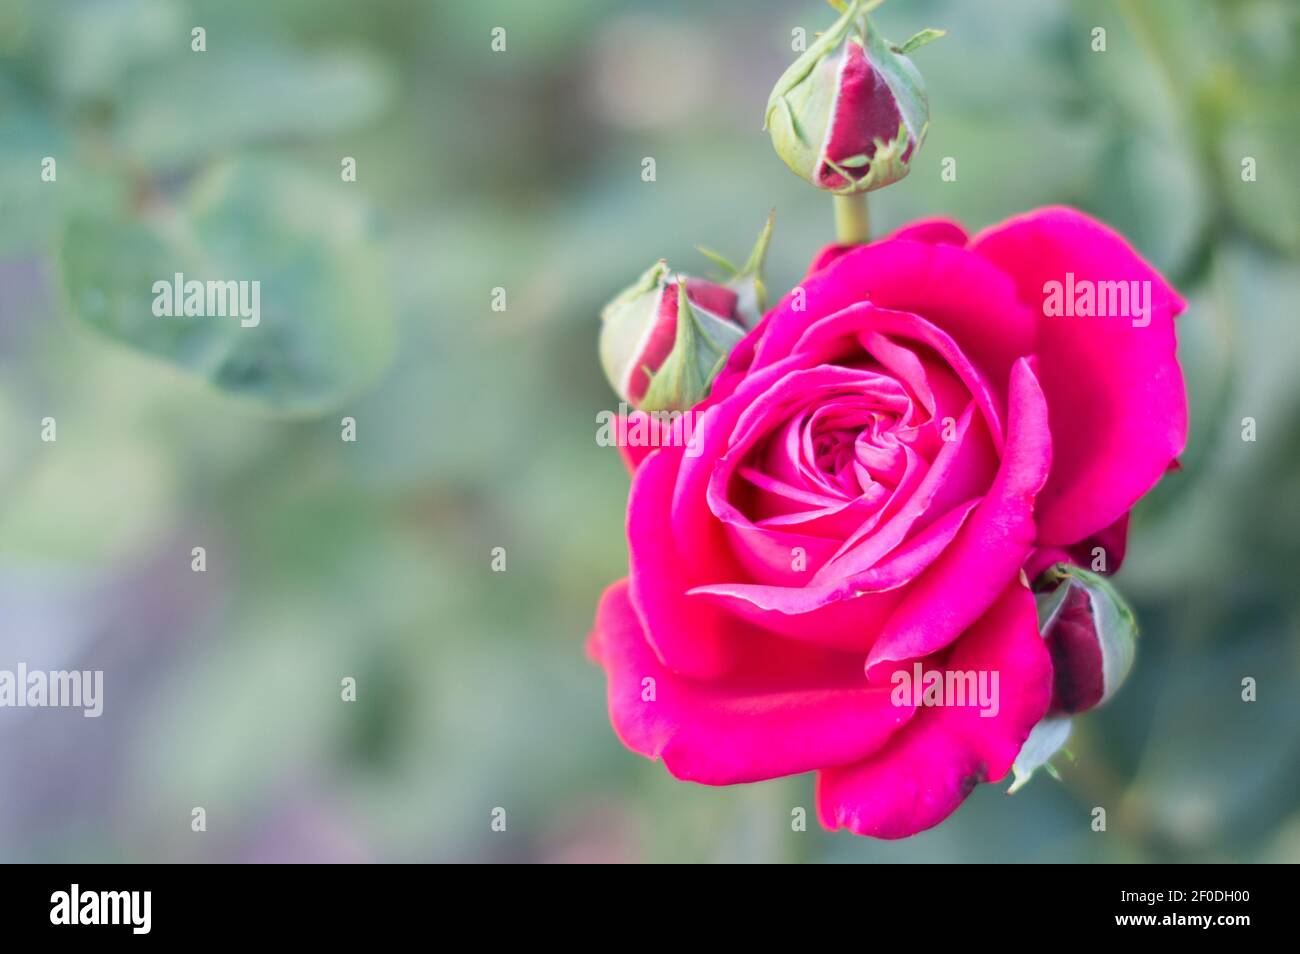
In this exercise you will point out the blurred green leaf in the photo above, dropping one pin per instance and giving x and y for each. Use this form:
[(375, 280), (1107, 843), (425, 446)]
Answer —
[(32, 209), (325, 326), (205, 103), (1199, 784), (1266, 205), (1152, 190)]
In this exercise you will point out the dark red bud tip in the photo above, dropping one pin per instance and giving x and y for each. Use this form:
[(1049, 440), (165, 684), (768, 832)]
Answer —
[(718, 300), (1076, 655), (865, 113)]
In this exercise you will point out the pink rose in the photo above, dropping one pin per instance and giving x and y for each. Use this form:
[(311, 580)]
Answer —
[(881, 459)]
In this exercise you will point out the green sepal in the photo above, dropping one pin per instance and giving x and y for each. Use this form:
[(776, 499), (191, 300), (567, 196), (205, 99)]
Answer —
[(801, 68), (644, 285), (1045, 740), (748, 284), (920, 39), (797, 95), (747, 280), (700, 349), (717, 258), (623, 323)]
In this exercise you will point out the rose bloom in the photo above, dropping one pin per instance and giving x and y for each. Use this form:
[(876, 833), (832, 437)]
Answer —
[(884, 462)]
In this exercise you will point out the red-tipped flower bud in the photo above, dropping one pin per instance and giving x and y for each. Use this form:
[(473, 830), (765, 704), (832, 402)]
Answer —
[(851, 112), (1092, 636), (664, 339)]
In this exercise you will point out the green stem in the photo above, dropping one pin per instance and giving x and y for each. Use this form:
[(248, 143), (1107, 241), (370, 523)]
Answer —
[(852, 223)]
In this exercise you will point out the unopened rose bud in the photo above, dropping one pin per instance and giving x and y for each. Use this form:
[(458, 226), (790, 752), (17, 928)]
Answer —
[(664, 339), (851, 112), (1091, 634)]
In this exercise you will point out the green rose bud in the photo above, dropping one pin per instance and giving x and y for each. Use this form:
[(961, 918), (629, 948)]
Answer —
[(665, 338), (1090, 632), (851, 112), (1092, 636)]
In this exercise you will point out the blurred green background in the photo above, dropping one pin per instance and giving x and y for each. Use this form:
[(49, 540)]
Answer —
[(475, 428)]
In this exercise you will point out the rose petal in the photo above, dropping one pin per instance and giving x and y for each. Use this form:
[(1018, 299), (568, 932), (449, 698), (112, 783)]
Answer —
[(929, 767), (962, 471), (921, 268), (689, 638), (965, 296), (639, 434), (764, 414), (846, 332), (845, 615), (1113, 542), (935, 231), (790, 709), (1115, 391), (988, 552)]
